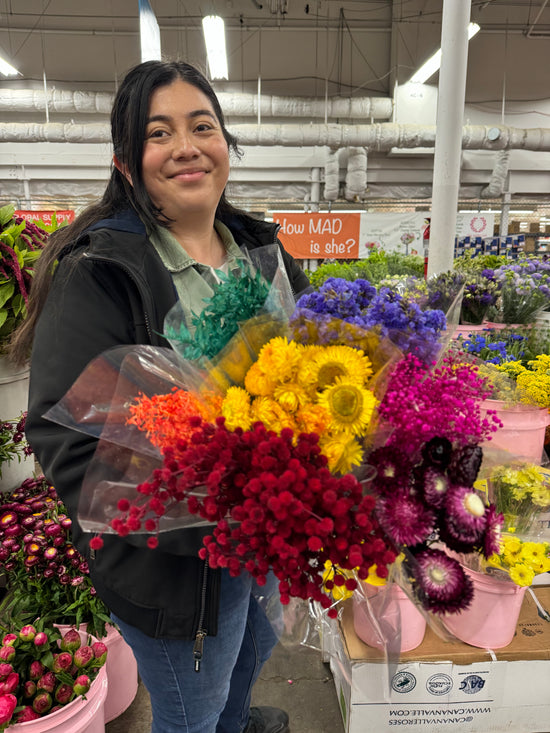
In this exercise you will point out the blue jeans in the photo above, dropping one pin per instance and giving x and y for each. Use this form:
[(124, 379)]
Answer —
[(216, 699)]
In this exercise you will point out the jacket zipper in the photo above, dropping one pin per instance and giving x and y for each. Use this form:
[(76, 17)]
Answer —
[(201, 632), (132, 277)]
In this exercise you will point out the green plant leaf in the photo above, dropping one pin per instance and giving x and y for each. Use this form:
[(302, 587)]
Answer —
[(6, 292), (7, 212)]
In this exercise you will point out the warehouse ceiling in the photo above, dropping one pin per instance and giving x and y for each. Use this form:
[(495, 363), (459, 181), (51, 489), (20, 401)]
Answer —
[(295, 47), (322, 50)]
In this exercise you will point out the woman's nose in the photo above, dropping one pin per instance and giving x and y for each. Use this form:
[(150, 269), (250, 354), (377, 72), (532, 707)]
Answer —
[(184, 146)]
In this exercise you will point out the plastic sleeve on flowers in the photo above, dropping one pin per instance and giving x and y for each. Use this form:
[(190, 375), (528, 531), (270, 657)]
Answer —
[(125, 456)]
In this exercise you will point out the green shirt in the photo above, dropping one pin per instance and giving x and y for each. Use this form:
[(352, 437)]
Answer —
[(193, 281)]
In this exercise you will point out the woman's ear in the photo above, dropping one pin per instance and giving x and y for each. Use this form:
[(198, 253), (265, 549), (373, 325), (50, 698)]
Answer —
[(123, 169)]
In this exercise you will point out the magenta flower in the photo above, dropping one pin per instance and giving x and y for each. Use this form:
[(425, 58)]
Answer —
[(440, 583), (393, 468), (27, 633), (465, 517), (71, 641), (433, 486), (42, 702), (83, 656), (82, 684), (8, 703), (493, 530), (405, 519)]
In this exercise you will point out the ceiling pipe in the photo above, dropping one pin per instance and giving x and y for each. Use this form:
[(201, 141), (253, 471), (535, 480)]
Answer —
[(378, 137), (233, 105), (499, 177), (356, 175), (332, 176)]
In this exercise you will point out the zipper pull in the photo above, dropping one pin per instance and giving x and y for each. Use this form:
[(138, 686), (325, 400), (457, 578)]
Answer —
[(197, 649)]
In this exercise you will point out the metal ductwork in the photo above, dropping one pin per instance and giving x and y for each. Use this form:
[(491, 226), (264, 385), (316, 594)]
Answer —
[(332, 176), (497, 184), (376, 137), (356, 175), (233, 105)]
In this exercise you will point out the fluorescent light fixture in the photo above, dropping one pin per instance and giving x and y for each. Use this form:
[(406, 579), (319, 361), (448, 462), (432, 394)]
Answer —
[(434, 62), (149, 32), (521, 211), (213, 28), (7, 69)]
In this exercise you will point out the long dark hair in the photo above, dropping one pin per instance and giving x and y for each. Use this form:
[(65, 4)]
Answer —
[(128, 123)]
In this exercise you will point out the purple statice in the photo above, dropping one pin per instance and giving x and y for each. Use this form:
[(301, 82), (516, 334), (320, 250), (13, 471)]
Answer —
[(525, 289), (357, 304)]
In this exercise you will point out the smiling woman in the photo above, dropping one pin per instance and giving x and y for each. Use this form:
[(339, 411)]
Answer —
[(157, 236)]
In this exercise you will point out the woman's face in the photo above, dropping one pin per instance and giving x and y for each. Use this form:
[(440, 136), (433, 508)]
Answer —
[(185, 155)]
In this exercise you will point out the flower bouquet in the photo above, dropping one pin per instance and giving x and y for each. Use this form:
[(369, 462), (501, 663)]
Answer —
[(425, 474), (41, 670), (524, 290), (46, 576), (264, 444)]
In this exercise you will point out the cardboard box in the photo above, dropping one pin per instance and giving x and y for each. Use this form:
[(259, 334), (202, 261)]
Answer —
[(447, 686)]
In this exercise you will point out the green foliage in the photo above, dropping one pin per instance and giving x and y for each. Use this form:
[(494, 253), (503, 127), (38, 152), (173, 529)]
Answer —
[(21, 244), (378, 266), (478, 263), (239, 298)]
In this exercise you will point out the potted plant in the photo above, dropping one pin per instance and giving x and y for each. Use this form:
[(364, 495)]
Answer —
[(47, 577), (21, 243), (45, 574), (42, 673)]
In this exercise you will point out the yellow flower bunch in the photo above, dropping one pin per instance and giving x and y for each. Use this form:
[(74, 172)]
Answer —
[(310, 389), (533, 381), (522, 560), (520, 491)]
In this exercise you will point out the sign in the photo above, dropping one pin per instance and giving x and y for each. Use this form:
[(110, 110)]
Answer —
[(344, 235), (62, 217), (393, 231), (320, 236), (475, 225)]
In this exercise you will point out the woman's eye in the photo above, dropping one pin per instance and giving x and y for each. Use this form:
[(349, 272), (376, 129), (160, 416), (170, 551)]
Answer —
[(203, 127), (157, 133)]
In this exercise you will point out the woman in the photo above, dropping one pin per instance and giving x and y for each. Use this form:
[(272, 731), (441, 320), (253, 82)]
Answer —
[(161, 227)]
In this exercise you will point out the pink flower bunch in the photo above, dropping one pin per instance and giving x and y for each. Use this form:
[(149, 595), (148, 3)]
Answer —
[(274, 503), (46, 575), (443, 402), (41, 671), (429, 509)]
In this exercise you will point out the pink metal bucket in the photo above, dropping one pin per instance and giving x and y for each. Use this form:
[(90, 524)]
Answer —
[(399, 613), (523, 429), (490, 622), (79, 716)]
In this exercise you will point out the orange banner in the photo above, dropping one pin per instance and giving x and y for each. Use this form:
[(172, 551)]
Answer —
[(319, 236), (62, 217)]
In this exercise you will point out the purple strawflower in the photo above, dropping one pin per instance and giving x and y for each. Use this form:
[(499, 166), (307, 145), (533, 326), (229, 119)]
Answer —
[(493, 532), (440, 583), (465, 464), (465, 513), (432, 484), (405, 519), (393, 469), (437, 452)]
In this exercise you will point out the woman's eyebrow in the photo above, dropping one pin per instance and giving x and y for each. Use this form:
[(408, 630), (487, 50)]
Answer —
[(194, 113)]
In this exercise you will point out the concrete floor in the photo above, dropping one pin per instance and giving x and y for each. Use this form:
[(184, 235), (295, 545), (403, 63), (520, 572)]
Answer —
[(295, 678)]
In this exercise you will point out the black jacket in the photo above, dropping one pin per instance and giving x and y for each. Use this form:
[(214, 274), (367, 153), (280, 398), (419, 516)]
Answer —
[(110, 288)]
